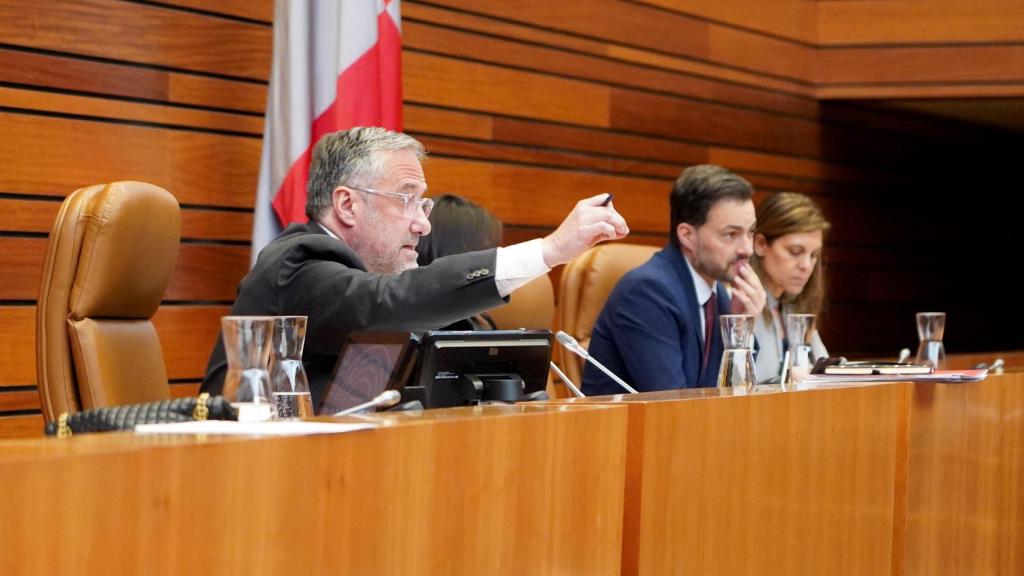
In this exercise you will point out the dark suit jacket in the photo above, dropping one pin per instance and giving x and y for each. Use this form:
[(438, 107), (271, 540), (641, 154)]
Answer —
[(306, 272), (649, 331)]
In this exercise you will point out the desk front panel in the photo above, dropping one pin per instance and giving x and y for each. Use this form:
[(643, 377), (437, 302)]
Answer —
[(517, 490)]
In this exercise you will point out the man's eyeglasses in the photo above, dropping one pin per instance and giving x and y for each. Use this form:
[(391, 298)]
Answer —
[(410, 204)]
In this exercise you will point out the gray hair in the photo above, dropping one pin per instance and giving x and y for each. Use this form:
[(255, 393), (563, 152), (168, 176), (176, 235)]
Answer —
[(353, 157)]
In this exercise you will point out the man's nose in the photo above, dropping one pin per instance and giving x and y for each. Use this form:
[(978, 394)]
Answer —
[(420, 224)]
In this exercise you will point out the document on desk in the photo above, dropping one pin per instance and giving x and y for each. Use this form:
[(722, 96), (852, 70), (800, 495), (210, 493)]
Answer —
[(282, 428), (939, 376)]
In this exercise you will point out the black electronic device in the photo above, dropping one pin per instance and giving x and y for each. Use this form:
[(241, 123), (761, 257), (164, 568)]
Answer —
[(369, 363), (458, 368)]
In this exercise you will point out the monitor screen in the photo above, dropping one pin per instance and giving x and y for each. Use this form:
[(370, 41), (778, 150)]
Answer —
[(460, 368), (369, 363)]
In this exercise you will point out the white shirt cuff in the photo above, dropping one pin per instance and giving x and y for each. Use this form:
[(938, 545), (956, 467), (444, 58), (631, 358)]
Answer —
[(518, 264)]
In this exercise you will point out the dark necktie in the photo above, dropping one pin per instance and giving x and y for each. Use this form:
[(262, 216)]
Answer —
[(710, 313)]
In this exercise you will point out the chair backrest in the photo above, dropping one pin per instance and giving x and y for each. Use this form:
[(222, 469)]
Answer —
[(109, 259), (586, 283), (531, 306)]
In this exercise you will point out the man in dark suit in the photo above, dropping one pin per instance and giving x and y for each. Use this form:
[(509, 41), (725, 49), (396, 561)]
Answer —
[(659, 329), (353, 266)]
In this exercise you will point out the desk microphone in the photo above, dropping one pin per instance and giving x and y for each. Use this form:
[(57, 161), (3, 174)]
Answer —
[(568, 383), (573, 346), (385, 399)]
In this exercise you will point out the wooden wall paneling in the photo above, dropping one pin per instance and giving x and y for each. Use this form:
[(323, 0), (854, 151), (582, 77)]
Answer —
[(36, 100), (424, 119), (619, 22), (712, 123), (24, 426), (601, 142), (789, 19), (908, 21), (200, 224), (910, 65), (488, 88), (553, 60), (24, 215), (82, 75), (187, 336), (161, 36), (508, 190), (17, 346), (208, 272), (763, 54), (18, 400), (548, 158), (261, 10), (53, 156), (710, 70)]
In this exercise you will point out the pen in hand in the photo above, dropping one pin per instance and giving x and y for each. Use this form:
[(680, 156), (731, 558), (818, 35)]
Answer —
[(607, 200)]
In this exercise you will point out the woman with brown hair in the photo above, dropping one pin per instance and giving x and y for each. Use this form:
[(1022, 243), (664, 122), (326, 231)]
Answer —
[(788, 242)]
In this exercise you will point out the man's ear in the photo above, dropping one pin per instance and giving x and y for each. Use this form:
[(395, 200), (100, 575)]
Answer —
[(760, 244), (687, 236), (343, 202)]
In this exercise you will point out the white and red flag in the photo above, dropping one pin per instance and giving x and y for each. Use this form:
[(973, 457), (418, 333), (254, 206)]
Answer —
[(337, 64)]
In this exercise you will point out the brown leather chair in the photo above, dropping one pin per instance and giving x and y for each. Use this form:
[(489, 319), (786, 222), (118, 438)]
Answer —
[(586, 283), (110, 256), (531, 306)]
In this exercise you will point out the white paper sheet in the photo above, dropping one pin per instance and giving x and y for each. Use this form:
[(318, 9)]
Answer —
[(282, 428)]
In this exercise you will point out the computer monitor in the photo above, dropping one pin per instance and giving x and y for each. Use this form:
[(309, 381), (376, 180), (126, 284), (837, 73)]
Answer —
[(368, 364), (459, 368)]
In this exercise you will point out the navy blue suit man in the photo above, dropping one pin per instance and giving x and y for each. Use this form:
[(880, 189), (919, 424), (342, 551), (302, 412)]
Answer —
[(659, 329)]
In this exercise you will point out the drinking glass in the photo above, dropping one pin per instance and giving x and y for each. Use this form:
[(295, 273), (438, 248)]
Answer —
[(930, 329), (247, 384), (737, 369), (287, 376), (799, 335)]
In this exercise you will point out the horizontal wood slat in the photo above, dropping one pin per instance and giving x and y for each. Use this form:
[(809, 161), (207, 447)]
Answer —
[(506, 188), (157, 35), (203, 272), (791, 19), (52, 156), (910, 21), (902, 65), (594, 68), (19, 215), (30, 426), (487, 88), (130, 111), (187, 335), (262, 10), (128, 81)]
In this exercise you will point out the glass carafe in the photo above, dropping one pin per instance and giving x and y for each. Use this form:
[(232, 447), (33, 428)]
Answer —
[(930, 329), (247, 383), (799, 335), (737, 369), (287, 376)]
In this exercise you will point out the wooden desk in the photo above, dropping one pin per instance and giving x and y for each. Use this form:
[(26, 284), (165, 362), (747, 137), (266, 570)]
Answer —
[(965, 484), (496, 490), (897, 478), (767, 483)]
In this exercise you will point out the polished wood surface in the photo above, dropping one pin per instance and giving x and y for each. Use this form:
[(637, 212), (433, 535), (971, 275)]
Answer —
[(496, 490), (965, 484), (723, 482), (894, 478)]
